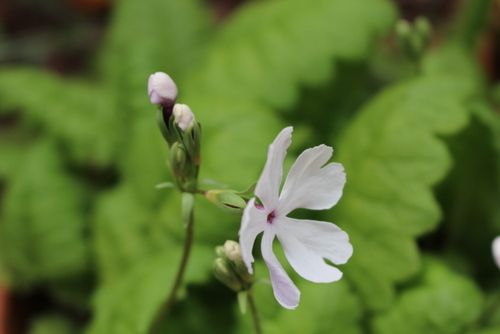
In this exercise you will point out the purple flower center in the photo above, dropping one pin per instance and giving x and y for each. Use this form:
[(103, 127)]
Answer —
[(270, 217)]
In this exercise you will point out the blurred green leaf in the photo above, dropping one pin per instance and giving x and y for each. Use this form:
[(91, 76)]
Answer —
[(43, 230), (470, 204), (52, 324), (79, 114), (323, 308), (442, 302), (393, 158)]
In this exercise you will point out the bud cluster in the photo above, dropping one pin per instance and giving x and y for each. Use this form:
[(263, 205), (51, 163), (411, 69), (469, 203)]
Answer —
[(179, 128), (230, 269)]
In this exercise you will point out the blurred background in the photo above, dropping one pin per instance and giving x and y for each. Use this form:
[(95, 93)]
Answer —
[(88, 245)]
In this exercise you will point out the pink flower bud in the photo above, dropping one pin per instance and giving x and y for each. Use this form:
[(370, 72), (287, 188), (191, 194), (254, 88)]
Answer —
[(162, 89)]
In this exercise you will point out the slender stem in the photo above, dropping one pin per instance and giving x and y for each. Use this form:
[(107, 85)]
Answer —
[(255, 314), (188, 219)]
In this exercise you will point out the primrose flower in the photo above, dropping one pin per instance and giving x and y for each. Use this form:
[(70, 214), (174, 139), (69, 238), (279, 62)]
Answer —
[(496, 250), (162, 89), (310, 184), (183, 116)]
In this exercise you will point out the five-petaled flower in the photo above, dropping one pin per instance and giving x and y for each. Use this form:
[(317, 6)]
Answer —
[(310, 184)]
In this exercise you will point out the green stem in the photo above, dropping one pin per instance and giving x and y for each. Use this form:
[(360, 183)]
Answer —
[(254, 313), (188, 220)]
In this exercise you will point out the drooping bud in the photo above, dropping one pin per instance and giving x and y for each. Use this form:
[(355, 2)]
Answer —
[(162, 89), (229, 266), (226, 199), (183, 116), (496, 250)]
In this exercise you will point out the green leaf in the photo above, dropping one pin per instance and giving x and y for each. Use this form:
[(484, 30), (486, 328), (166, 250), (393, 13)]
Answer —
[(81, 116), (392, 159), (442, 302), (129, 304), (42, 214), (470, 200), (52, 324), (286, 43), (323, 308), (145, 283), (243, 78)]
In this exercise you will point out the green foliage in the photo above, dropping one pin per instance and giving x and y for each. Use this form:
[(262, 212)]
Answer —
[(83, 222), (78, 114), (50, 324), (393, 158), (42, 214), (247, 76), (433, 305)]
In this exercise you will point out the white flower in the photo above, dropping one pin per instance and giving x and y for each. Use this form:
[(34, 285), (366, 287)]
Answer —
[(310, 184), (183, 116), (162, 89), (496, 250)]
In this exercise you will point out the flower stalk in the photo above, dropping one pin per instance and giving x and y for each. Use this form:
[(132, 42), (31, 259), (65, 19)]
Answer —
[(253, 311)]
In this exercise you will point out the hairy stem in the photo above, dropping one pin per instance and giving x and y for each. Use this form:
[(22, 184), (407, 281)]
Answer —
[(254, 313), (188, 220)]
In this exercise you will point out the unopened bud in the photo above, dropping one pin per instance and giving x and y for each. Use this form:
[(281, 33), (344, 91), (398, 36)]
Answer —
[(423, 28), (230, 255), (183, 116), (162, 89), (496, 250), (232, 250), (225, 273), (226, 199), (178, 160)]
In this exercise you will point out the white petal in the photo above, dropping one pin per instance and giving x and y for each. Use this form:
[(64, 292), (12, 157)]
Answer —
[(252, 223), (496, 250), (267, 189), (309, 185), (285, 291), (307, 242)]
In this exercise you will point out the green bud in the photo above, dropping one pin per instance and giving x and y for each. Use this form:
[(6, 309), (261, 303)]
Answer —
[(178, 160), (191, 138), (220, 252), (230, 266), (403, 29), (423, 29), (226, 199), (225, 274)]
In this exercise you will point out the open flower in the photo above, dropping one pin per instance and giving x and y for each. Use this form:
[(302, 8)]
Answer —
[(495, 247), (310, 184)]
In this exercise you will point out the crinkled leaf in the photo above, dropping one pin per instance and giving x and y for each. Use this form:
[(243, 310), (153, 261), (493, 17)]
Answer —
[(42, 214), (243, 77), (393, 157), (80, 115), (442, 302)]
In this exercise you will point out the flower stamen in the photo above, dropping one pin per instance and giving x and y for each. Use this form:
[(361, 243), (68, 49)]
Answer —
[(270, 217)]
